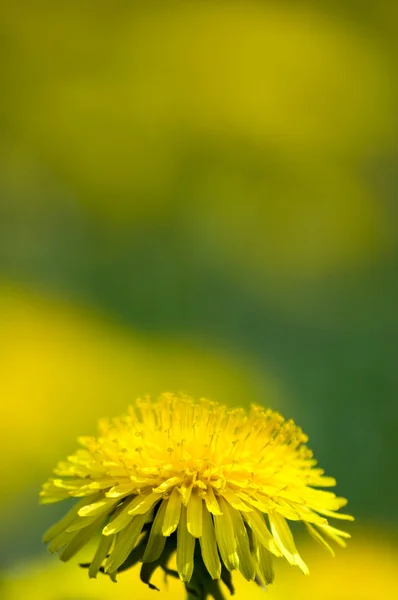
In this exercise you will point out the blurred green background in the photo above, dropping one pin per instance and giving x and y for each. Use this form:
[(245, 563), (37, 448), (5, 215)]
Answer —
[(200, 196)]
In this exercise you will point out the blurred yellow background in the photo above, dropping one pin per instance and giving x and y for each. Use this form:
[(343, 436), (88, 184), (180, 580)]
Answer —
[(367, 571), (200, 197)]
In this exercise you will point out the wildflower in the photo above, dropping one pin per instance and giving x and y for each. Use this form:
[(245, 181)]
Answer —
[(216, 486)]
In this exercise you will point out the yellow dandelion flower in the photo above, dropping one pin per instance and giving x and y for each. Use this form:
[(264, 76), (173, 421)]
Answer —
[(216, 486)]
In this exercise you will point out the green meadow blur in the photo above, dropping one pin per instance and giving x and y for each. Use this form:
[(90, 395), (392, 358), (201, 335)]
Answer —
[(200, 197)]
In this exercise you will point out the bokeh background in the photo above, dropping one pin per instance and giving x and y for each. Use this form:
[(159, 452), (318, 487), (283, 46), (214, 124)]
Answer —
[(200, 196)]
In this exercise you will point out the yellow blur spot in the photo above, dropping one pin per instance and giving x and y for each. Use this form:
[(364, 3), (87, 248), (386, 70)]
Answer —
[(61, 368), (365, 571)]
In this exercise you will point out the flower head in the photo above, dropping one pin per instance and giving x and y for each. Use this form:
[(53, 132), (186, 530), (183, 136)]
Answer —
[(217, 486)]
